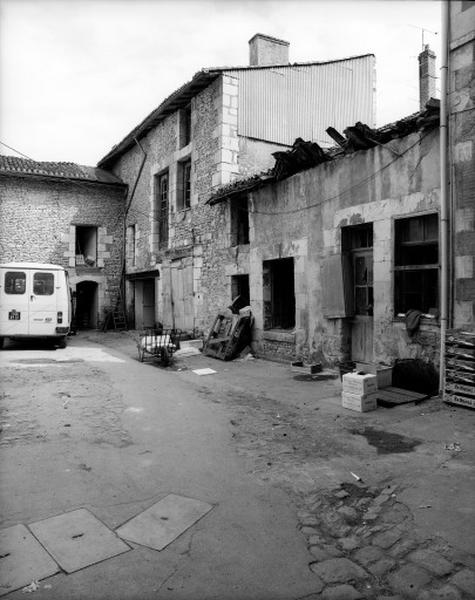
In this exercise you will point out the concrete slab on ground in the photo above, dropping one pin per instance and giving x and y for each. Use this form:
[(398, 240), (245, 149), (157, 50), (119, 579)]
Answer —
[(163, 522), (77, 539), (22, 559)]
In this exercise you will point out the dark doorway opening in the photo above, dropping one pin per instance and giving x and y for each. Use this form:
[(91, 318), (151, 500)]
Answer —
[(279, 293), (85, 316)]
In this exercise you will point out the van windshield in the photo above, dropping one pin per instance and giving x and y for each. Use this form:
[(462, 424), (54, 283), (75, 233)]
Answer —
[(43, 284)]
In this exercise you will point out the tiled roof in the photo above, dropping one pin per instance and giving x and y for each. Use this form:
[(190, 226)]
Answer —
[(14, 165)]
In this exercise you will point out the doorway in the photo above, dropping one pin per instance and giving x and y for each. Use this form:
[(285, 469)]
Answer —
[(358, 242), (144, 292), (85, 313)]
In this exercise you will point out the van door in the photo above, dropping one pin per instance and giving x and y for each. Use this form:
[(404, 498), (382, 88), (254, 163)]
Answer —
[(14, 303), (43, 302)]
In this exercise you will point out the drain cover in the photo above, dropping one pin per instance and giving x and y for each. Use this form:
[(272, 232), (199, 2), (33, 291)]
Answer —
[(163, 522), (22, 559), (77, 539)]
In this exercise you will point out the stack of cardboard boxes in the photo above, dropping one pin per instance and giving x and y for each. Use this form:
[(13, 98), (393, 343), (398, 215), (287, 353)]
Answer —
[(360, 391)]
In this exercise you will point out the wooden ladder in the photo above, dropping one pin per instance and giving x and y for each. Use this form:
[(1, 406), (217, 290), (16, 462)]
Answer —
[(117, 318)]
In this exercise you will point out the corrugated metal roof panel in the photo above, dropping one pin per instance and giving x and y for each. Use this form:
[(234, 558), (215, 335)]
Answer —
[(282, 103)]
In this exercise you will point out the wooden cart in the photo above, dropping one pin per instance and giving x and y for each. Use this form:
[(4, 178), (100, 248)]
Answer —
[(158, 344)]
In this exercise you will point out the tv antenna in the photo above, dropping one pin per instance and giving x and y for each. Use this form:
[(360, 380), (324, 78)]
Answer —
[(423, 30)]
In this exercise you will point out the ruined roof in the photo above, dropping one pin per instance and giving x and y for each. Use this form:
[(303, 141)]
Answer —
[(182, 96), (305, 155), (14, 165)]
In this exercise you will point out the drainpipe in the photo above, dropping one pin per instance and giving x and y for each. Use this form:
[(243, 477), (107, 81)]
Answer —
[(444, 192), (127, 208)]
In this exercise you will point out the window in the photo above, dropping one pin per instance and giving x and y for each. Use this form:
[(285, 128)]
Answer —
[(86, 245), (183, 185), (240, 287), (131, 245), (416, 268), (239, 221), (15, 282), (185, 126), (43, 284), (278, 293), (161, 208)]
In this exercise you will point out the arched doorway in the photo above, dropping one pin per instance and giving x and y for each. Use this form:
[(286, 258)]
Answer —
[(86, 305)]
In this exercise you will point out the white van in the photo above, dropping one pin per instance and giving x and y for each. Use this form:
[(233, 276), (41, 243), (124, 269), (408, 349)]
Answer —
[(35, 301)]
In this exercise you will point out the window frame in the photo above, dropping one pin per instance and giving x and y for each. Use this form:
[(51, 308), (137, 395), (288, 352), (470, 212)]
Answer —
[(271, 306), (162, 203), (239, 224), (404, 264), (84, 254), (131, 245), (48, 291), (184, 126), (183, 199), (16, 273)]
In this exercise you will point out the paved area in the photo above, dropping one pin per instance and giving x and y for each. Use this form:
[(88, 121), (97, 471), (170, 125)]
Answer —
[(274, 451)]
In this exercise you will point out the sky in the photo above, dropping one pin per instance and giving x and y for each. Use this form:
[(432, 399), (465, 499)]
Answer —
[(77, 75)]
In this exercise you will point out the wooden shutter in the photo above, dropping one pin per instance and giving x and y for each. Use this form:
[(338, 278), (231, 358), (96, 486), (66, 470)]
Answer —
[(337, 286)]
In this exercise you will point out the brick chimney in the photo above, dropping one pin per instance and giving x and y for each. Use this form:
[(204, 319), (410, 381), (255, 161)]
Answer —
[(267, 50), (427, 76)]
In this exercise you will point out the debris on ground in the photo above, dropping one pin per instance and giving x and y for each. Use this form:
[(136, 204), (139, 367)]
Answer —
[(455, 447), (230, 334), (33, 587), (299, 366), (205, 371)]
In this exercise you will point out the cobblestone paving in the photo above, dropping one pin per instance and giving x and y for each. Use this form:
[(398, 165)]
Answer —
[(365, 545)]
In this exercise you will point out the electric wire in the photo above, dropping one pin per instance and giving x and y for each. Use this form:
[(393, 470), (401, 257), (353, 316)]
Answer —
[(153, 218)]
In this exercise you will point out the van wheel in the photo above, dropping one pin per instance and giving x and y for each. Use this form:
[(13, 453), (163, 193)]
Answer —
[(2, 342), (62, 343)]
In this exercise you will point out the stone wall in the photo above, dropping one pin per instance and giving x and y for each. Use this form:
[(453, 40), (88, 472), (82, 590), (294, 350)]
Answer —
[(461, 79), (38, 218), (199, 234)]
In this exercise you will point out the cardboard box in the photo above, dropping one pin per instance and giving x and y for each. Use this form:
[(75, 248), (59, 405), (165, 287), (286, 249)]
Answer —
[(359, 402), (359, 383), (384, 373)]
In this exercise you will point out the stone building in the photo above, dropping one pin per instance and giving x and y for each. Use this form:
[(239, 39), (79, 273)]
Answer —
[(461, 126), (69, 215), (222, 125), (342, 244)]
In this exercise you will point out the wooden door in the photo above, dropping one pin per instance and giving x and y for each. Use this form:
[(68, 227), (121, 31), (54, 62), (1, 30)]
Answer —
[(362, 324), (148, 303), (181, 296)]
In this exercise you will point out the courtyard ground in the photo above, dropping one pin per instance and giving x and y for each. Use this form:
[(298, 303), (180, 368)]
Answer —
[(273, 452)]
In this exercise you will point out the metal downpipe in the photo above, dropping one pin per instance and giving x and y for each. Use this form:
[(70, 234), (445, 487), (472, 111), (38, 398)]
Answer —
[(444, 193)]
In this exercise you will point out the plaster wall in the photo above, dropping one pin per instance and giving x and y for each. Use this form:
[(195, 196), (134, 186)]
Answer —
[(302, 217), (255, 156)]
